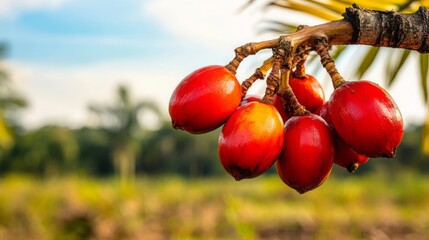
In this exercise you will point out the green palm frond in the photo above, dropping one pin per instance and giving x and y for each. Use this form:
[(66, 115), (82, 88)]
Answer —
[(307, 7), (367, 61), (424, 61), (397, 60), (278, 27)]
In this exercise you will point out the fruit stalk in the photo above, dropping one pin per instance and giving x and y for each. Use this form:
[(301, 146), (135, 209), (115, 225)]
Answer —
[(291, 104), (273, 80), (299, 61), (258, 74), (289, 101), (322, 48)]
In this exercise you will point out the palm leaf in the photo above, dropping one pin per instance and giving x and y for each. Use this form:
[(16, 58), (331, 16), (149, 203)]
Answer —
[(395, 64), (278, 27), (316, 11), (367, 61), (334, 6), (424, 61), (376, 5)]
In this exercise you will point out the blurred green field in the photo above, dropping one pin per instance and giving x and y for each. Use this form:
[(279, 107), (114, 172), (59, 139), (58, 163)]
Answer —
[(356, 207)]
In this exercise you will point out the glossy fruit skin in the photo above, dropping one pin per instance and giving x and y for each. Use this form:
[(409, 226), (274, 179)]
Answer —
[(365, 116), (251, 140), (250, 98), (204, 99), (307, 90), (344, 155), (307, 156)]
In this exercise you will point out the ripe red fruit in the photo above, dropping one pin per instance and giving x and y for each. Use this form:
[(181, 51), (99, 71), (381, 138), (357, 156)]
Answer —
[(308, 153), (251, 140), (344, 155), (307, 90), (366, 118), (204, 99)]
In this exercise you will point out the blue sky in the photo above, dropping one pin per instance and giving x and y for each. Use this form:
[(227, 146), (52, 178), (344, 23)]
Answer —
[(66, 54), (82, 32)]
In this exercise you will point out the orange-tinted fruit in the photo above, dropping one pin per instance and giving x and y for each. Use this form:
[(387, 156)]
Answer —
[(251, 140)]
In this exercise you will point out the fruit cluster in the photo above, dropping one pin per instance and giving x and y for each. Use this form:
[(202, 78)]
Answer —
[(293, 126)]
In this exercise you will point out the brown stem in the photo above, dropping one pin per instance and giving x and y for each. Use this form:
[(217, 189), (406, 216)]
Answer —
[(246, 84), (322, 48), (299, 62), (248, 49), (289, 101), (273, 80), (353, 167), (258, 74)]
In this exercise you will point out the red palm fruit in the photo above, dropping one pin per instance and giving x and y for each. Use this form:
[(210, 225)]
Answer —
[(204, 99), (251, 140), (307, 156), (307, 90), (366, 118), (344, 155), (250, 98)]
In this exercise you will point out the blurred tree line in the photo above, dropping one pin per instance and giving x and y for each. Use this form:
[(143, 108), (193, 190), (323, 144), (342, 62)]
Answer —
[(56, 150)]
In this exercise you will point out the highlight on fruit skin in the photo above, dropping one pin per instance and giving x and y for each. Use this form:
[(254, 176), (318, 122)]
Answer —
[(344, 155), (307, 156), (251, 140), (204, 99), (368, 120), (308, 91)]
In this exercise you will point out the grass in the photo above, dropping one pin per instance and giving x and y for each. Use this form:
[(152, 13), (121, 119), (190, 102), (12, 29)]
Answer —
[(356, 207)]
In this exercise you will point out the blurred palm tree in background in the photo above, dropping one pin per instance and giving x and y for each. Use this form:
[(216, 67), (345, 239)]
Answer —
[(121, 121), (10, 101), (330, 10)]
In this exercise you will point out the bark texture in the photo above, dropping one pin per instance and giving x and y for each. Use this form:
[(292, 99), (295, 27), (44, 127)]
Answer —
[(389, 29)]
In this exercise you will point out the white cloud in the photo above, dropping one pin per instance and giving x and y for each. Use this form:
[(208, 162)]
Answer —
[(212, 23), (222, 23), (14, 7), (60, 95)]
